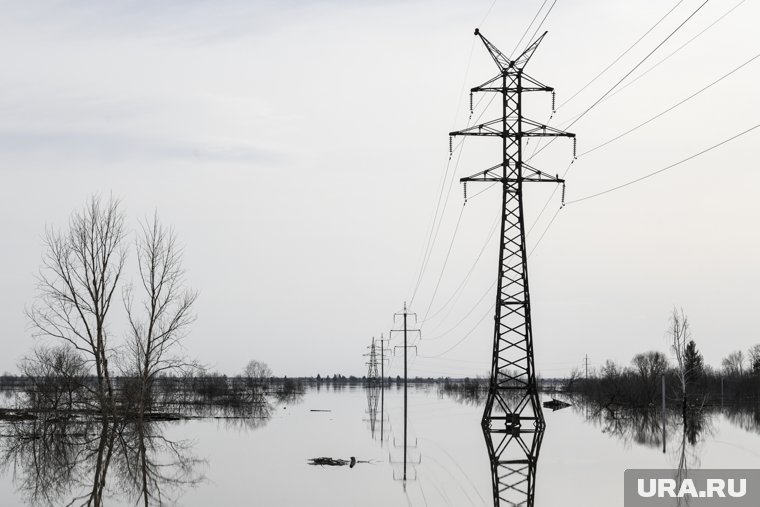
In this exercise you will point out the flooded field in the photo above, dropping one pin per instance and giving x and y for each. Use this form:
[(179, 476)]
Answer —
[(225, 459)]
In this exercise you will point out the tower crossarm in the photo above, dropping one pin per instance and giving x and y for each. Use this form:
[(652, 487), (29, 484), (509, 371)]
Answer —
[(495, 128), (495, 174), (495, 85), (534, 129), (489, 128)]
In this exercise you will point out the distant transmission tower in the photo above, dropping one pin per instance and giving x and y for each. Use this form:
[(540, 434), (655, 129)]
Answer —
[(512, 400), (373, 377)]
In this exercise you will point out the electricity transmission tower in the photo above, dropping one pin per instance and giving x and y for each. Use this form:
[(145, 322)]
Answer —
[(373, 377), (512, 401), (373, 385)]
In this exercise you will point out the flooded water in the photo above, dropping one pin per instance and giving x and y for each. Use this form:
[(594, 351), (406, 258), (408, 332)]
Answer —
[(265, 460)]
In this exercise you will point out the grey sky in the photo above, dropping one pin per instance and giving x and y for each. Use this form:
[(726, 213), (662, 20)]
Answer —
[(298, 149)]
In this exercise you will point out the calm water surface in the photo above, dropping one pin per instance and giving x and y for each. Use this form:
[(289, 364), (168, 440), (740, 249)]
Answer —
[(264, 461)]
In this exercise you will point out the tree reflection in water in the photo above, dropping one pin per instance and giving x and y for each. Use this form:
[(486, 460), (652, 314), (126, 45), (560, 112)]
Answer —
[(79, 458), (645, 426), (59, 462)]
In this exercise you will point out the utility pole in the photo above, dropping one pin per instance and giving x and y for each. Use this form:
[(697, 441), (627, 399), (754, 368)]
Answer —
[(382, 386), (382, 361), (586, 366), (513, 409), (405, 314)]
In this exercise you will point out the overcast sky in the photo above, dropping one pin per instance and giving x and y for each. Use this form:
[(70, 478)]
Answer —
[(298, 149)]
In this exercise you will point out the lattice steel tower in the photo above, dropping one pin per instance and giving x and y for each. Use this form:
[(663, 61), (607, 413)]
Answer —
[(372, 374), (512, 397)]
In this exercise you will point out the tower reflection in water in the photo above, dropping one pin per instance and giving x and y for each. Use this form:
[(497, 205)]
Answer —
[(513, 451)]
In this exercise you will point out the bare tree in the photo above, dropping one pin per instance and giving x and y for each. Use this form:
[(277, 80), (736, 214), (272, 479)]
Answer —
[(79, 275), (160, 321), (679, 336), (733, 364), (57, 374), (650, 367), (573, 378), (754, 359), (257, 372)]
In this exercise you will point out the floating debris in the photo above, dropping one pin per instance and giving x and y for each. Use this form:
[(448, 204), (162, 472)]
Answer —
[(335, 462), (556, 404)]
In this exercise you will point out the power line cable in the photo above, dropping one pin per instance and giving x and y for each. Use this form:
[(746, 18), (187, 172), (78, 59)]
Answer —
[(654, 117), (545, 231), (634, 80), (463, 337), (435, 229), (628, 183), (646, 176), (530, 41), (641, 62), (445, 262), (724, 76), (487, 292), (488, 12), (445, 203), (621, 55), (536, 151), (527, 29), (463, 283), (429, 247)]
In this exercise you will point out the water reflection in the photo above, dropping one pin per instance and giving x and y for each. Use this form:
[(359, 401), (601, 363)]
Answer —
[(746, 417), (61, 458), (373, 395), (60, 462), (650, 427), (513, 427), (247, 417), (680, 432), (513, 454)]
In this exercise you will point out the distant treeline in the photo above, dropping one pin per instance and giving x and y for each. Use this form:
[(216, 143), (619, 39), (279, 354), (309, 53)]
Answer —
[(11, 381), (176, 395), (690, 382)]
